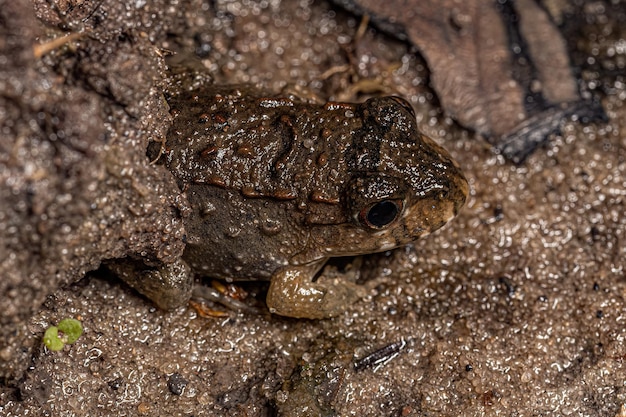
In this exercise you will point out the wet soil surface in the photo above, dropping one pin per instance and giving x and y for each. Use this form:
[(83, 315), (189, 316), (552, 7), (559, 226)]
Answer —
[(515, 308)]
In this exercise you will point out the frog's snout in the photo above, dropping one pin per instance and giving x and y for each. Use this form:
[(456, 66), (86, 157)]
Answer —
[(433, 212), (459, 190), (456, 184)]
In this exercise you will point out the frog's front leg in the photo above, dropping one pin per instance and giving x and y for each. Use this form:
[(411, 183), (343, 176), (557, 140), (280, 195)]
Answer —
[(168, 286), (293, 292)]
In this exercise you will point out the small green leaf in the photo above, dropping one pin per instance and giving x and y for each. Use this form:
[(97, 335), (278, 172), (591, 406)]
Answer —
[(68, 331), (72, 329), (51, 339)]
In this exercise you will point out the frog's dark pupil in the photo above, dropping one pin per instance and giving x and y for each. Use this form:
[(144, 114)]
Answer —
[(382, 213)]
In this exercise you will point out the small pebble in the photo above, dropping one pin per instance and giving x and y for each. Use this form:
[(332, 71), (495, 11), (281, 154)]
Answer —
[(176, 384)]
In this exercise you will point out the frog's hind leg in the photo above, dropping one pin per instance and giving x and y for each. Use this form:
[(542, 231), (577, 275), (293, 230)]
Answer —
[(168, 286)]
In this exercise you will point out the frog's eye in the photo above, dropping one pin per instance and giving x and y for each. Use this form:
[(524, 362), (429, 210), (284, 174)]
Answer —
[(380, 214)]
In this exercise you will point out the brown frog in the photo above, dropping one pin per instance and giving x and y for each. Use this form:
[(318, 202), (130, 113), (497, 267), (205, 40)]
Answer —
[(278, 186)]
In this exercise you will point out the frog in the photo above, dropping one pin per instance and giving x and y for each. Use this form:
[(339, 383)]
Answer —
[(277, 186)]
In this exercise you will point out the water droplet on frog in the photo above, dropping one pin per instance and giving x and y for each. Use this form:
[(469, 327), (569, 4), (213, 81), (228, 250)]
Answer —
[(271, 227), (207, 209)]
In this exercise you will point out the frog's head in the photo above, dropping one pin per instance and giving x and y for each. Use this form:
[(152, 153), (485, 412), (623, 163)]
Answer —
[(402, 184)]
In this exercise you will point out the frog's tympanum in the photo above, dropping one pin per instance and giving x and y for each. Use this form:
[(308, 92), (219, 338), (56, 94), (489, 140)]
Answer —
[(278, 186)]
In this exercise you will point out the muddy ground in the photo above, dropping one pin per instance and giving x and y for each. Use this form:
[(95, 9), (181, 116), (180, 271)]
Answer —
[(516, 308)]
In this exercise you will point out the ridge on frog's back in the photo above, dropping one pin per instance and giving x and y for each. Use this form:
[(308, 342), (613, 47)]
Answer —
[(277, 186)]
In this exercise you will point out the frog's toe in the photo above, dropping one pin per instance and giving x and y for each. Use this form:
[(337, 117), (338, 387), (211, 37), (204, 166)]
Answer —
[(202, 294)]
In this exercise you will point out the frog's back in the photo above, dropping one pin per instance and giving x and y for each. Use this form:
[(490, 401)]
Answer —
[(262, 146)]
